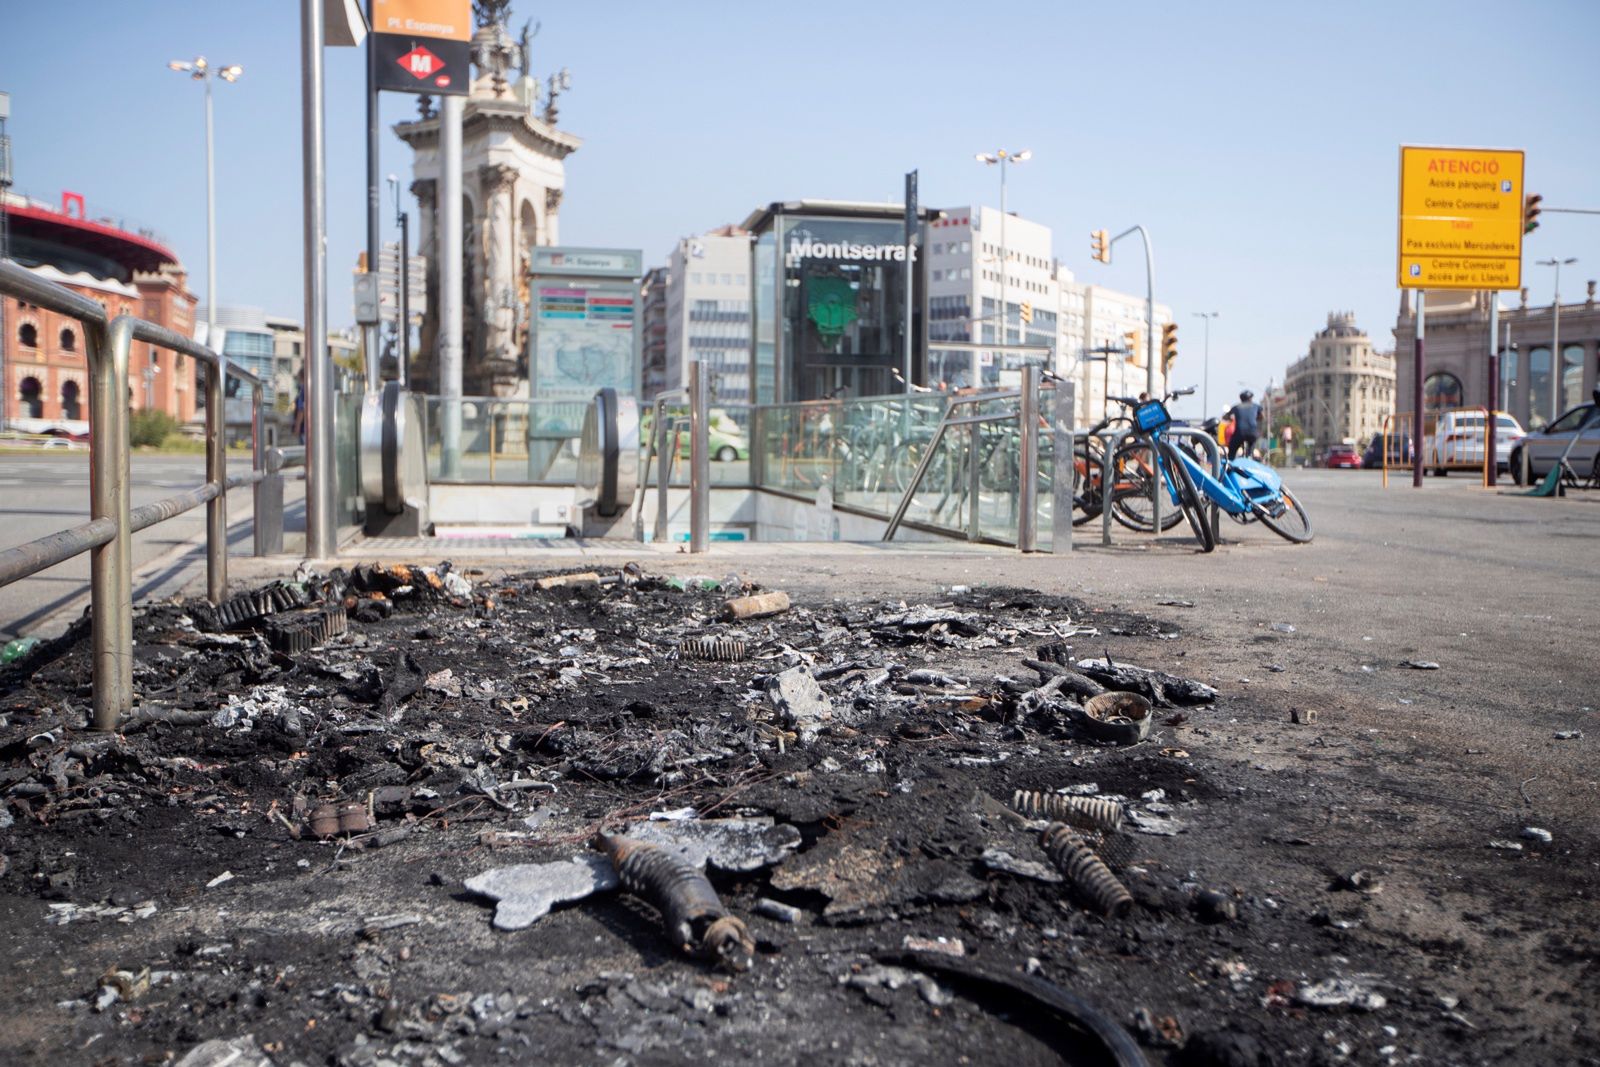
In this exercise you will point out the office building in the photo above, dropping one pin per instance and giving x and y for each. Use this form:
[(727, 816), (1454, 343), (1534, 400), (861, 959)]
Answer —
[(707, 313)]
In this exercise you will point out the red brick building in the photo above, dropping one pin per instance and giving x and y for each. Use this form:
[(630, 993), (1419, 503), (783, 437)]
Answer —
[(46, 376)]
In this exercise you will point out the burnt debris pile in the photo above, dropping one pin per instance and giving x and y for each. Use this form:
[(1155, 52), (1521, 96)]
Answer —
[(781, 809)]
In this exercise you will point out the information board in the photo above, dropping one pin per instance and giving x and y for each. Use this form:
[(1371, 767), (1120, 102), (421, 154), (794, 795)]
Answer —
[(1460, 218)]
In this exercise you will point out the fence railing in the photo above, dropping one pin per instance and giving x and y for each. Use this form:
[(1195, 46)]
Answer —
[(108, 534)]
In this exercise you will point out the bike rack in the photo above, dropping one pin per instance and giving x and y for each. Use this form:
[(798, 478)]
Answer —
[(1114, 440)]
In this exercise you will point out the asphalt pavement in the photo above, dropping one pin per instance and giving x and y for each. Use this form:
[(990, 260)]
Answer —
[(49, 491)]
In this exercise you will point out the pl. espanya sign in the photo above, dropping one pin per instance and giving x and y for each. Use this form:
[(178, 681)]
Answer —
[(806, 248)]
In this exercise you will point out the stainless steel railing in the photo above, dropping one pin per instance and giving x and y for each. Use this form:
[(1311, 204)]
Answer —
[(108, 534)]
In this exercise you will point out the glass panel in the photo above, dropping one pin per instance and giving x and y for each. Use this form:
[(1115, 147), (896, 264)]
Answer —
[(1571, 376), (1539, 413), (511, 441), (728, 440)]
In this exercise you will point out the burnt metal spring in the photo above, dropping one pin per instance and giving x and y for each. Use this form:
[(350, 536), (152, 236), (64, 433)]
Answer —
[(301, 631), (691, 912), (1088, 813), (1087, 873), (725, 649), (246, 608)]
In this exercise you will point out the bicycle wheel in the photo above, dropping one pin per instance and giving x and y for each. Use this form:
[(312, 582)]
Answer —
[(1293, 525), (1086, 474), (1132, 476), (1188, 497)]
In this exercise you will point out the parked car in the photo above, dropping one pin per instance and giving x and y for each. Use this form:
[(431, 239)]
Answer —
[(1398, 448), (1457, 441), (1544, 447), (725, 439), (1342, 457)]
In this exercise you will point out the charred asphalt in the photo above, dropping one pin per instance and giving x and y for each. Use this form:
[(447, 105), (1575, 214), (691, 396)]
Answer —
[(330, 831)]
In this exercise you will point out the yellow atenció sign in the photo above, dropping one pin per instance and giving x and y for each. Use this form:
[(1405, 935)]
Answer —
[(1460, 218)]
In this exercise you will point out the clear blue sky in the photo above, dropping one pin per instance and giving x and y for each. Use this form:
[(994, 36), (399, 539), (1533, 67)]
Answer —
[(1257, 141)]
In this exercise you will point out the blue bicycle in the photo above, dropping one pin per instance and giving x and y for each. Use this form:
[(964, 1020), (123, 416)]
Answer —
[(1247, 490)]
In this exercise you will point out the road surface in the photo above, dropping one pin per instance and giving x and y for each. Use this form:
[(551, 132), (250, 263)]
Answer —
[(49, 491)]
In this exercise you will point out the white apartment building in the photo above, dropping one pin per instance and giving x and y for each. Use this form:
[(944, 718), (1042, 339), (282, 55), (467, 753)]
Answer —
[(708, 313), (963, 249), (964, 285)]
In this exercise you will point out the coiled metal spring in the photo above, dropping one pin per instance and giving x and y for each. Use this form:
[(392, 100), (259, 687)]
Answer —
[(691, 911), (1088, 813), (1087, 873), (723, 649), (245, 608)]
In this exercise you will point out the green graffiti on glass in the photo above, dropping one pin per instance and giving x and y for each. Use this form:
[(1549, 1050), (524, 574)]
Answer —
[(832, 307)]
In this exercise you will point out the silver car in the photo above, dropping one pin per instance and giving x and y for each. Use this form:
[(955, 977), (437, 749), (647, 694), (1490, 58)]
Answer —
[(1545, 447)]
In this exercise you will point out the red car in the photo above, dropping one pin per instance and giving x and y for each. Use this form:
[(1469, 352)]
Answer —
[(1343, 456)]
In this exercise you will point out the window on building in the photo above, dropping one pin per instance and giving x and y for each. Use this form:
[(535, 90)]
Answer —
[(28, 336), (727, 279), (70, 407), (69, 340), (155, 356), (31, 394), (1440, 391), (694, 277)]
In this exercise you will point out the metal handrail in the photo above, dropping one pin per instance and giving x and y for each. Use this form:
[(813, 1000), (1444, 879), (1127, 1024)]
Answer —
[(108, 534)]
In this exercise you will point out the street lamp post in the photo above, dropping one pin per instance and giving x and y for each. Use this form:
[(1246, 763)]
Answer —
[(1149, 302), (1205, 372), (1000, 159), (202, 71), (1556, 362)]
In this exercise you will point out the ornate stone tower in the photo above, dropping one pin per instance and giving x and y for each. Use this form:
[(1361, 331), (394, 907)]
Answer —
[(513, 178)]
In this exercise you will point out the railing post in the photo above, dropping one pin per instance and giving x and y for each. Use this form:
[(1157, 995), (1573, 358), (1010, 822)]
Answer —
[(1108, 484), (699, 459), (217, 473), (1028, 461), (111, 564), (258, 457), (269, 506), (974, 479), (664, 463), (1065, 468)]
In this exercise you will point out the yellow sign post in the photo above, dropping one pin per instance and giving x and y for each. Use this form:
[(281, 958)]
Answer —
[(1460, 218)]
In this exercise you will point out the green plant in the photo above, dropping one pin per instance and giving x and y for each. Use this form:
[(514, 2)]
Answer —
[(149, 428)]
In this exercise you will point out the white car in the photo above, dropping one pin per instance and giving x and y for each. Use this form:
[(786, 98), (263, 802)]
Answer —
[(1457, 441)]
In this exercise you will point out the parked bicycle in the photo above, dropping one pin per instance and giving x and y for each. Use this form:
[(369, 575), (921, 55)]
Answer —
[(1246, 491)]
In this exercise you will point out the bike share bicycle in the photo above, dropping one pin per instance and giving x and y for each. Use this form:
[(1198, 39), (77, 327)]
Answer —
[(1247, 490)]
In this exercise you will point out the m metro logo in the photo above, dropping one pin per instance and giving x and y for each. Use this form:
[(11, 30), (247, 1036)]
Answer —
[(421, 63)]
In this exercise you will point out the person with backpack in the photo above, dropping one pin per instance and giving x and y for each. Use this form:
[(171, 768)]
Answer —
[(1246, 424)]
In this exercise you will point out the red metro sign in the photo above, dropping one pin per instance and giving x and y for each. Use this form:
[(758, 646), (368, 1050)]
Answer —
[(421, 63)]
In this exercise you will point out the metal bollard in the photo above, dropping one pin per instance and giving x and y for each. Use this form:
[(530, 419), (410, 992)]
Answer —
[(1028, 461), (1066, 465), (699, 459), (217, 474)]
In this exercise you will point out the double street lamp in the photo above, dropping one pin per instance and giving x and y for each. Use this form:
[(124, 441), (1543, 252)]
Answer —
[(1000, 159), (1557, 364), (202, 71)]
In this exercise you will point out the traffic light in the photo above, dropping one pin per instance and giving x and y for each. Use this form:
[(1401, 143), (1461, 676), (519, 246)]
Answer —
[(1169, 345), (1100, 246), (1027, 312), (1130, 342), (1530, 212)]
